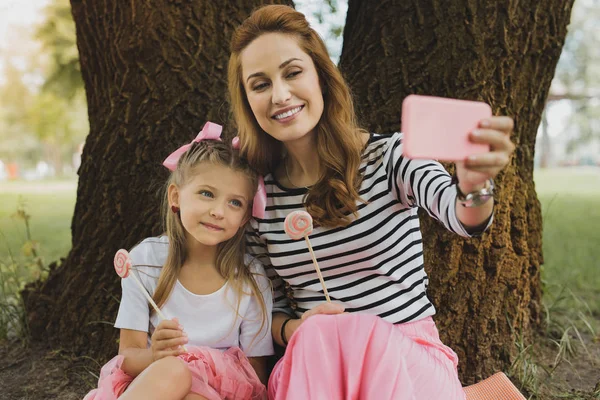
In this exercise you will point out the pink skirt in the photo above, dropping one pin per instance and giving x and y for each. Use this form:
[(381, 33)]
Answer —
[(361, 356), (216, 375)]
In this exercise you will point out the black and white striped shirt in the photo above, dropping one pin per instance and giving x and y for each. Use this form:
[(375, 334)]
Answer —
[(375, 264)]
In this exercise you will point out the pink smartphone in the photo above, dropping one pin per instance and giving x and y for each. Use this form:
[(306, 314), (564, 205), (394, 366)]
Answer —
[(438, 128)]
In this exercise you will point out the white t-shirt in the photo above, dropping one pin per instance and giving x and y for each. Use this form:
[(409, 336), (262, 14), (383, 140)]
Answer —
[(209, 320)]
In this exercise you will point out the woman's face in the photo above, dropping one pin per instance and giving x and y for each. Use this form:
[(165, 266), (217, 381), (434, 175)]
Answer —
[(282, 86)]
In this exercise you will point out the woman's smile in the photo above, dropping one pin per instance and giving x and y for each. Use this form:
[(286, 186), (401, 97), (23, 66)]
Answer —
[(288, 114)]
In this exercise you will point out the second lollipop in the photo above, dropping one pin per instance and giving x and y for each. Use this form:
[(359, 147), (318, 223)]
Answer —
[(299, 224)]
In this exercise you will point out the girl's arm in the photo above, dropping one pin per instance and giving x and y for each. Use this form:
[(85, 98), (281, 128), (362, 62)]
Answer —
[(260, 367), (133, 345), (166, 341)]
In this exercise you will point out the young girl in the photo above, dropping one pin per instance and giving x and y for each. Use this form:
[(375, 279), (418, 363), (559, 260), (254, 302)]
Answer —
[(220, 303), (297, 125)]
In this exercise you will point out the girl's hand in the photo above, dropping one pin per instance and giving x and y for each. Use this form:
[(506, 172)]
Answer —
[(167, 339), (476, 170)]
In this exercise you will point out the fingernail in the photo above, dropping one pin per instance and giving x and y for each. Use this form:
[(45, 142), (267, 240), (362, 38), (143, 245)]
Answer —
[(472, 158), (180, 327), (485, 123), (185, 334), (476, 133)]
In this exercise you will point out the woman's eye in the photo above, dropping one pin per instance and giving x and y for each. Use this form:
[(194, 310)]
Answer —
[(260, 86), (206, 193), (293, 74)]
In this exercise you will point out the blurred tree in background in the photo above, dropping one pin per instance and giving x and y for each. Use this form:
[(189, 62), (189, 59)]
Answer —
[(578, 74), (16, 138), (57, 36), (43, 112)]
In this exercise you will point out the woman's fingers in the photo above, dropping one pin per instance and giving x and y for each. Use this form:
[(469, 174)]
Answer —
[(324, 308), (495, 132), (501, 123), (484, 161), (497, 140)]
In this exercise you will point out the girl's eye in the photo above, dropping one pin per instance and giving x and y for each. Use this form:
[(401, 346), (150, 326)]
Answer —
[(236, 203), (206, 193), (293, 74)]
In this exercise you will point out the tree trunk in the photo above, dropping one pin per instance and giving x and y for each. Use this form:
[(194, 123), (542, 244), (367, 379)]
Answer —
[(154, 72), (487, 291)]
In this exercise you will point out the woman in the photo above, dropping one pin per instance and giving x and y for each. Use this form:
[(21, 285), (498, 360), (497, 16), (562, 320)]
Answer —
[(297, 126)]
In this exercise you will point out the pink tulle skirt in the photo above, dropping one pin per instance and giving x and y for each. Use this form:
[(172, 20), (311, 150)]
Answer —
[(216, 375), (361, 356)]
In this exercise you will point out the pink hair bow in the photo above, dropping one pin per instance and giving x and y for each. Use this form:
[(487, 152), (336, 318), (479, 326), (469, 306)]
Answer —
[(210, 130), (260, 199)]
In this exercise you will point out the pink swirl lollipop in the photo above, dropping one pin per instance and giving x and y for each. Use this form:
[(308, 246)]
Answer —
[(122, 263), (298, 224), (123, 266)]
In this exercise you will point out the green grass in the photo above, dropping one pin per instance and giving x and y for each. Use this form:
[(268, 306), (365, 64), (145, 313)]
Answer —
[(571, 239), (50, 205)]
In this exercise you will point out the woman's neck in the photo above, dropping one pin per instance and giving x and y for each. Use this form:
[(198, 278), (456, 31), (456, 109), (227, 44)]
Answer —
[(302, 165)]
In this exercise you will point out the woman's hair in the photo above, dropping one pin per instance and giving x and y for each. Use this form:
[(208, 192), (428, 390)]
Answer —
[(333, 198), (230, 253)]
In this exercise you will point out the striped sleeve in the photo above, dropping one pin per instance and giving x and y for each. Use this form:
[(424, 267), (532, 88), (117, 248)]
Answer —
[(256, 247), (426, 184)]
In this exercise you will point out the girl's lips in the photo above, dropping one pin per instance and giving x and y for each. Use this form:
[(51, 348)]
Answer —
[(211, 227)]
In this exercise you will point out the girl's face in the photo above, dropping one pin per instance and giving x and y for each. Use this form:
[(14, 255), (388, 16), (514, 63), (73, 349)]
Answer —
[(282, 86), (213, 204)]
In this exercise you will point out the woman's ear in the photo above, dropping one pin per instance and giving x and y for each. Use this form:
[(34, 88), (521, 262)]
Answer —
[(173, 195)]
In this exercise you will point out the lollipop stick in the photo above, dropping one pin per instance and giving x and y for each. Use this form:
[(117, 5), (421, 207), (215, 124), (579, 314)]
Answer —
[(312, 254), (143, 289)]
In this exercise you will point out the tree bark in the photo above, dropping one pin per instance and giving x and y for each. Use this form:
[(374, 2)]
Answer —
[(487, 291), (154, 73)]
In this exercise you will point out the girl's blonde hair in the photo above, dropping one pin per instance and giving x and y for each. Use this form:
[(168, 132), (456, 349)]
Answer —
[(339, 144), (230, 254)]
